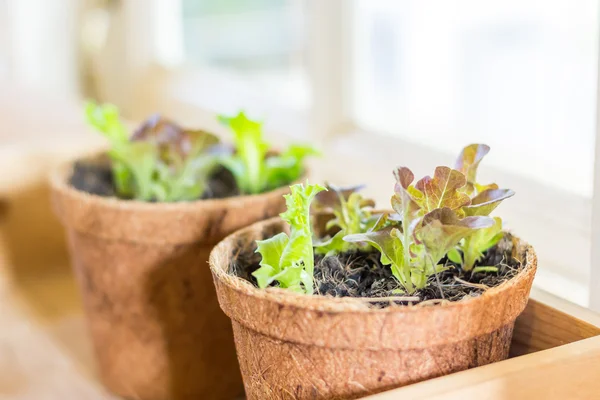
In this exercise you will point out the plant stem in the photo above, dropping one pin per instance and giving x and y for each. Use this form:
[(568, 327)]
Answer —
[(485, 269), (437, 278), (406, 250), (470, 255)]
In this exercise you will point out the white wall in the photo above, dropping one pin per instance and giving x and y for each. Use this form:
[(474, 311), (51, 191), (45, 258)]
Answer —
[(39, 45)]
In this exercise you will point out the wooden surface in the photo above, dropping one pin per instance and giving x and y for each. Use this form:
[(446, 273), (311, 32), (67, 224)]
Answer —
[(549, 322), (45, 353), (569, 371)]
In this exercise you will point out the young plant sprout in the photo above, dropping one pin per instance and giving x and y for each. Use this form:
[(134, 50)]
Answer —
[(160, 162), (435, 218), (440, 216), (484, 199), (253, 169), (289, 260), (352, 215), (431, 212)]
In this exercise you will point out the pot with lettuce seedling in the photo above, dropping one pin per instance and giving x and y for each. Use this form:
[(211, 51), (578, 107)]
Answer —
[(141, 220), (372, 300)]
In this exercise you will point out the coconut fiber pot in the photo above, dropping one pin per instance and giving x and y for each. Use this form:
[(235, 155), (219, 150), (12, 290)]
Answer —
[(294, 346), (150, 302)]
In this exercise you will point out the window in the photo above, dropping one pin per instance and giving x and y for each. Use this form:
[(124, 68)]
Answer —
[(247, 55), (518, 75)]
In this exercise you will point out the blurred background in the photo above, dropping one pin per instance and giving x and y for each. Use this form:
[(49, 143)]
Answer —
[(435, 73), (374, 83)]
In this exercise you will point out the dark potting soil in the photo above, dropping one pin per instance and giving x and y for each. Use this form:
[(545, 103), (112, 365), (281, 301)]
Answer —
[(95, 177), (361, 274)]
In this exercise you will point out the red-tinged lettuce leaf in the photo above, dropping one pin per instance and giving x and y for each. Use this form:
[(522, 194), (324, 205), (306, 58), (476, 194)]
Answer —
[(443, 190), (468, 162), (174, 142), (406, 199), (485, 202), (475, 245), (441, 230), (469, 159)]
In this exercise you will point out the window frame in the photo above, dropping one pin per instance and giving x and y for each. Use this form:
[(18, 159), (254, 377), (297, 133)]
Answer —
[(594, 282)]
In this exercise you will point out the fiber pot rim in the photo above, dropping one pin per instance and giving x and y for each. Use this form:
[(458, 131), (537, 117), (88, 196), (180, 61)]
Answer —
[(172, 223), (341, 304), (336, 322)]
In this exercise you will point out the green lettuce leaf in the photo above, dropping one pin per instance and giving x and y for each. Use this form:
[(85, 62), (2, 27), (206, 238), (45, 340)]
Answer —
[(475, 245), (352, 214), (251, 150), (271, 250), (289, 260), (389, 243), (105, 119), (289, 166), (254, 170)]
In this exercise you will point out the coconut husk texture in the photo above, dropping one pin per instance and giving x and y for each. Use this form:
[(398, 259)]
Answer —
[(294, 346), (155, 322)]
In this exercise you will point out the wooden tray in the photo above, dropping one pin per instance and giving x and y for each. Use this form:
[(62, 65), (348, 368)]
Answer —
[(555, 354)]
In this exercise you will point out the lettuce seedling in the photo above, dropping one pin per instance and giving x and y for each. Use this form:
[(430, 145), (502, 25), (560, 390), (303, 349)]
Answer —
[(289, 260), (351, 215), (483, 200), (254, 170), (432, 224), (439, 217), (160, 162)]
